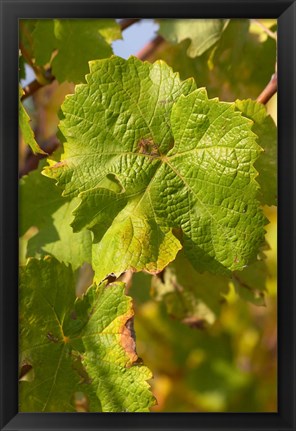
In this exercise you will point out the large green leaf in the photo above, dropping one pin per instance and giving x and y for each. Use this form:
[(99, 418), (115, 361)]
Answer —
[(77, 42), (77, 345), (266, 130), (151, 159), (203, 33), (42, 206), (26, 131)]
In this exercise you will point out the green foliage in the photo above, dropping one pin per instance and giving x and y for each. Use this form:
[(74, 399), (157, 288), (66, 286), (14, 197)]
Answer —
[(239, 65), (26, 131), (190, 296), (204, 33), (180, 176), (251, 282), (77, 345), (43, 207), (164, 189), (196, 299), (266, 131), (77, 41), (26, 27), (226, 367)]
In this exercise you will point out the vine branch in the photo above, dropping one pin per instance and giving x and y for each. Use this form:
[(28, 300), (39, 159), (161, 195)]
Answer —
[(148, 49), (127, 22), (265, 29), (269, 90), (31, 88)]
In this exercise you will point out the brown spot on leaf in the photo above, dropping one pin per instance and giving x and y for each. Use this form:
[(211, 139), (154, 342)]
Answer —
[(128, 340), (59, 164), (147, 146)]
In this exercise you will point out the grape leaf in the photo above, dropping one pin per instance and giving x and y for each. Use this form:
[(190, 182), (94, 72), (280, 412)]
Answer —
[(216, 365), (266, 130), (250, 284), (77, 345), (196, 298), (243, 60), (46, 297), (60, 241), (151, 159), (26, 131), (77, 41), (42, 206), (204, 33), (238, 66), (44, 41), (191, 297)]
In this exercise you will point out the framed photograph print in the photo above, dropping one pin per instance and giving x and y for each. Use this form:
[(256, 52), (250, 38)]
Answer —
[(148, 215)]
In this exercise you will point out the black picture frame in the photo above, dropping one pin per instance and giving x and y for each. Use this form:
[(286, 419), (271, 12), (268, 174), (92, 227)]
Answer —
[(11, 11)]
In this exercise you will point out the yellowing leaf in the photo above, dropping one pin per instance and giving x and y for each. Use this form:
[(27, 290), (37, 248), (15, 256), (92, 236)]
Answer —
[(77, 345)]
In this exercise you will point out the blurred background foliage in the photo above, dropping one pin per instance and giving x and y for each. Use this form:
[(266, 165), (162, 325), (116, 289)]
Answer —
[(229, 365)]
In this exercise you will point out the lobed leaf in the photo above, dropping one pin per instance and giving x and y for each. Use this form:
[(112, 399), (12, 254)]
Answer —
[(153, 159), (77, 345)]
